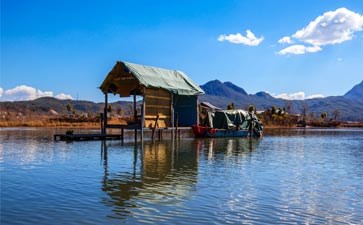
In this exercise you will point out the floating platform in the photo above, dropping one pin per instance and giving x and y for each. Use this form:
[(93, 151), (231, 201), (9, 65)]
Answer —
[(86, 137)]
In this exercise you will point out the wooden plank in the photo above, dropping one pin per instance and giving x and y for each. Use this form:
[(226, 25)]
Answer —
[(155, 101), (159, 106), (157, 92), (157, 97)]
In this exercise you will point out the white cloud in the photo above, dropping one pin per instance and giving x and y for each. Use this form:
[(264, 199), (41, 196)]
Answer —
[(292, 96), (24, 93), (285, 40), (339, 59), (250, 39), (315, 96), (298, 50), (297, 96), (63, 96), (333, 27)]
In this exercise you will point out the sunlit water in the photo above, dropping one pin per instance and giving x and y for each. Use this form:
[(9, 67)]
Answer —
[(287, 177)]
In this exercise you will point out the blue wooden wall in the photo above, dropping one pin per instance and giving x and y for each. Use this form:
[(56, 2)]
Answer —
[(186, 108)]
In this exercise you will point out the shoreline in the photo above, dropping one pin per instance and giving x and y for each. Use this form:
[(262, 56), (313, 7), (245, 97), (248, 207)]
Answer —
[(96, 125)]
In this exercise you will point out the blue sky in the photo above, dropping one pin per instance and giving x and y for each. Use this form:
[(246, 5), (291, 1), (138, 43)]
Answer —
[(66, 48)]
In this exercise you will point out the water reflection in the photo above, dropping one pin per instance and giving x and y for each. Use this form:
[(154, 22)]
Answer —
[(289, 177), (162, 173), (227, 148)]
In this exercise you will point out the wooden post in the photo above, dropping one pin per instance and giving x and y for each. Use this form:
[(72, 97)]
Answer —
[(122, 135), (160, 134), (105, 115), (143, 115), (101, 123), (172, 113), (135, 116), (154, 128), (176, 126), (197, 109)]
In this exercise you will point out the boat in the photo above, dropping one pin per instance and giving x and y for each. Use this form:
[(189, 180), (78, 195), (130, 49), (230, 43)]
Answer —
[(215, 122)]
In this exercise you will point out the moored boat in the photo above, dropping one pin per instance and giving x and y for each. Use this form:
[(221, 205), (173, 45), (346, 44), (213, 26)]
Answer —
[(215, 122)]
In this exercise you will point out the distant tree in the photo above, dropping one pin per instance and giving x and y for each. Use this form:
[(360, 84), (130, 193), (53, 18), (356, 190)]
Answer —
[(109, 108), (251, 108), (279, 111), (69, 107), (336, 114), (273, 110), (324, 115), (288, 106), (305, 111), (230, 106)]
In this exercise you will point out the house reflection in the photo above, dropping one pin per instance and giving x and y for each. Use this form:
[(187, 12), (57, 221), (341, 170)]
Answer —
[(162, 173)]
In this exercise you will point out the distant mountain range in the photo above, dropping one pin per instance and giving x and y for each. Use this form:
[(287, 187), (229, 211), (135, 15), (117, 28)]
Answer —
[(349, 106), (53, 106)]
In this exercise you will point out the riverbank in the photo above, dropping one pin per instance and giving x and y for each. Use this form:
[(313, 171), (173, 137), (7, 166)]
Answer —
[(96, 125), (54, 124)]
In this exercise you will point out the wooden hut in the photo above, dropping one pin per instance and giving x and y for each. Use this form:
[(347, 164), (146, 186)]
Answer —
[(169, 97)]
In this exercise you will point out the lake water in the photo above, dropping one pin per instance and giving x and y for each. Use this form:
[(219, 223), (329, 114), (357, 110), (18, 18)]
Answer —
[(287, 177)]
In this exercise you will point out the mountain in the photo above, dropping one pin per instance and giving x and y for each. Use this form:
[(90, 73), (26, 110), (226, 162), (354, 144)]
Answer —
[(226, 89), (349, 106), (220, 94), (52, 106), (235, 88), (356, 92)]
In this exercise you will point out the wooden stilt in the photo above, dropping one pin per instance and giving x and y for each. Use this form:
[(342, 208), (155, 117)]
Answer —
[(122, 135), (105, 115), (176, 125), (101, 123), (172, 114), (135, 116), (143, 116)]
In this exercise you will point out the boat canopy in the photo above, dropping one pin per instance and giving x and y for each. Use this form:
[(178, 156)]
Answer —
[(232, 119)]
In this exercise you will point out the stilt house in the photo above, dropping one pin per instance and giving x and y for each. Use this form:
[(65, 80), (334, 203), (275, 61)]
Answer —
[(169, 97)]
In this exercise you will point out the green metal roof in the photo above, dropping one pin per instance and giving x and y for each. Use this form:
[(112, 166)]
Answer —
[(174, 81)]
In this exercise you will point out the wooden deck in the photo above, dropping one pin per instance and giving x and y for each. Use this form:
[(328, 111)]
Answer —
[(130, 134), (86, 137)]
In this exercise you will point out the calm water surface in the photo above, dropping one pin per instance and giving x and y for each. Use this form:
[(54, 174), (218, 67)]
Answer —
[(288, 177)]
